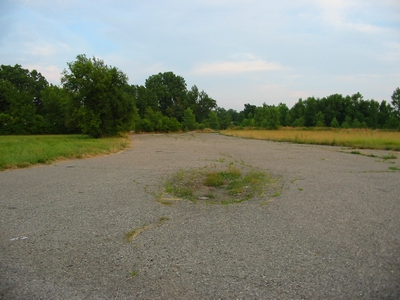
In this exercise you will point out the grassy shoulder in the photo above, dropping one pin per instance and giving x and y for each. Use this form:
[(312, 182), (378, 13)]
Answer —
[(354, 138), (24, 151)]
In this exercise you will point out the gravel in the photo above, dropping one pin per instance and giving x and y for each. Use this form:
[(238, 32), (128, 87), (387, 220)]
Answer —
[(332, 233)]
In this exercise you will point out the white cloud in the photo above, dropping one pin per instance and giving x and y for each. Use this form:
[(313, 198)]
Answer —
[(40, 50), (50, 72), (392, 54), (339, 14), (233, 67)]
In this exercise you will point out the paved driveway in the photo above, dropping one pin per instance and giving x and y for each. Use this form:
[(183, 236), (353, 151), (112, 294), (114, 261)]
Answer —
[(332, 233)]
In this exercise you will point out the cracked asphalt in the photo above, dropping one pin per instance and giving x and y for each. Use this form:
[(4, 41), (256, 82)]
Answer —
[(332, 232)]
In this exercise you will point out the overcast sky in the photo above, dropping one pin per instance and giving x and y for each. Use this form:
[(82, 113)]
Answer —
[(237, 51)]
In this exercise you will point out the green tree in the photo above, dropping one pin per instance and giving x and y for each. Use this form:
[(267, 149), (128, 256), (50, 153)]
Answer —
[(320, 119), (189, 120), (334, 123), (143, 98), (310, 112), (396, 102), (273, 118), (283, 111), (213, 120), (20, 100), (170, 91), (295, 116), (29, 83), (224, 118), (100, 104), (55, 101), (249, 109), (386, 117)]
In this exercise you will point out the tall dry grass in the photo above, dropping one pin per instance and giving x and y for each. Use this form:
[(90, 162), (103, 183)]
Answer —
[(354, 138)]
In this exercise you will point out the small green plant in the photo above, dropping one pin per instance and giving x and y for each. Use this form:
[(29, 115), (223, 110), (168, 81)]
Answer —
[(389, 156), (216, 179), (355, 152), (300, 189), (130, 235), (163, 219), (133, 273), (394, 168), (373, 155)]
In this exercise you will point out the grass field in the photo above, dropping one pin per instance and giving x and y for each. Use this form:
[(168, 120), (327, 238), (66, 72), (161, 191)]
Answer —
[(354, 138), (24, 151)]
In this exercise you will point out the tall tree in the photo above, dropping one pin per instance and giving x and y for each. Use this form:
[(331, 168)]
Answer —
[(98, 96), (200, 103), (249, 109), (283, 111), (170, 91), (396, 101), (189, 120), (205, 105), (55, 102), (20, 99)]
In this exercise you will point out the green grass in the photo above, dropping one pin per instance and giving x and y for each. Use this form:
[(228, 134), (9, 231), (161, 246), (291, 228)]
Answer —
[(133, 274), (389, 156), (227, 184), (385, 157), (24, 151), (394, 168)]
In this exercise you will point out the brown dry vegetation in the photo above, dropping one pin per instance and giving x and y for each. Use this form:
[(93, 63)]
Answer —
[(354, 138)]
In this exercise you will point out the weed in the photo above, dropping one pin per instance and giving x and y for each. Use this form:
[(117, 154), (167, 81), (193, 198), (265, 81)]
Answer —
[(214, 179), (394, 168), (279, 192), (133, 273), (300, 189), (165, 202), (356, 152), (163, 219), (130, 235), (390, 156)]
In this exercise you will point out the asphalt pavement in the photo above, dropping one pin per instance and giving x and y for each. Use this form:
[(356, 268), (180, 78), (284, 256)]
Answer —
[(331, 230)]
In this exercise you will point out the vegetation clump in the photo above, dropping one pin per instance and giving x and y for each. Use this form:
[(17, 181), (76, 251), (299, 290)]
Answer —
[(220, 184)]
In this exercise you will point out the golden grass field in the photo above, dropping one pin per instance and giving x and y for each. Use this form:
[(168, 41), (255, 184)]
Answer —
[(354, 138)]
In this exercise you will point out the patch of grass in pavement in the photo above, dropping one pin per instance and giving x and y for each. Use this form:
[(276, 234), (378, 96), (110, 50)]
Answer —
[(394, 168), (133, 273), (385, 157), (220, 184), (132, 234), (389, 156)]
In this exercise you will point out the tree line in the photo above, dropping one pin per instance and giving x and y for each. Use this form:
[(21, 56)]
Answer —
[(96, 99)]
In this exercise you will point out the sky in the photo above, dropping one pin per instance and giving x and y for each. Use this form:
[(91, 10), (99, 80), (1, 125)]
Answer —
[(237, 51)]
